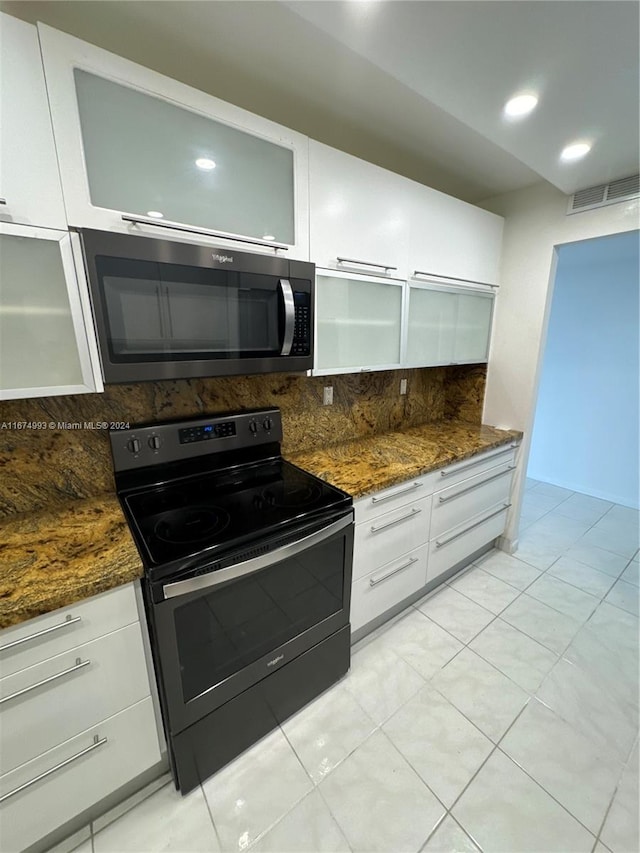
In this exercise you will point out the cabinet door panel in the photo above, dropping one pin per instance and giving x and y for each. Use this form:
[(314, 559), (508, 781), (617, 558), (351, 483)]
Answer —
[(44, 348), (141, 155), (473, 327), (29, 180), (131, 141), (431, 327), (358, 323), (452, 238), (358, 211)]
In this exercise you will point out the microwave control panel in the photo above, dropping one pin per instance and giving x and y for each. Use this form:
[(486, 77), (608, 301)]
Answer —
[(302, 327)]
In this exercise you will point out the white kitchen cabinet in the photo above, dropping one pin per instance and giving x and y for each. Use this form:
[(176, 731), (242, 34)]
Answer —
[(447, 324), (359, 214), (450, 238), (77, 720), (30, 191), (412, 536), (45, 347), (135, 143), (358, 323), (470, 507)]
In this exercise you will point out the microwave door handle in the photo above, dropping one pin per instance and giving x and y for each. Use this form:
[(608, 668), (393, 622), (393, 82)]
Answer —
[(289, 315)]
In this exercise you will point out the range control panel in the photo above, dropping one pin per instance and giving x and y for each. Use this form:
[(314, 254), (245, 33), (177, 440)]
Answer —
[(158, 444)]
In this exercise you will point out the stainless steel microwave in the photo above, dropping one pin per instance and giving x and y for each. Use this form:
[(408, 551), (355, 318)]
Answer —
[(170, 310)]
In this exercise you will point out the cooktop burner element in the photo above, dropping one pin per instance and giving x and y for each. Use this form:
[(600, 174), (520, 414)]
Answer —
[(191, 525), (296, 495)]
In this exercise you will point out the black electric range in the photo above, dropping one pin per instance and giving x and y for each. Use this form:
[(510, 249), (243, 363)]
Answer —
[(247, 579)]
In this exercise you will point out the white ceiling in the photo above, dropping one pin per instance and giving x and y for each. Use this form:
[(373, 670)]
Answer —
[(417, 87)]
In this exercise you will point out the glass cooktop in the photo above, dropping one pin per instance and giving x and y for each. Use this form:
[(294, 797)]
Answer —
[(203, 512)]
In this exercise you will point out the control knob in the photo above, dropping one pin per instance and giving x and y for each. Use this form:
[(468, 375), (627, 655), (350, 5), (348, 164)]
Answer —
[(155, 442), (133, 445), (253, 427), (267, 423)]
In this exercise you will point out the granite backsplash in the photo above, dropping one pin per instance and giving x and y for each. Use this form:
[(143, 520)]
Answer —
[(65, 457)]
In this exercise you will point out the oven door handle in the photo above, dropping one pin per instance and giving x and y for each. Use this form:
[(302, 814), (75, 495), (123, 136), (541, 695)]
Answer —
[(256, 564)]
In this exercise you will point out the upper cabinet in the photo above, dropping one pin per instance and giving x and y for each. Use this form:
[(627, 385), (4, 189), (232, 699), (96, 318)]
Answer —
[(359, 214), (30, 191), (452, 239), (142, 153)]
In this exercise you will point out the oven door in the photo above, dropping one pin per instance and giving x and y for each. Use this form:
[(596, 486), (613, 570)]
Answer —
[(217, 634)]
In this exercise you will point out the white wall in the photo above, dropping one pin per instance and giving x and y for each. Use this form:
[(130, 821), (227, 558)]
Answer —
[(535, 223), (585, 434)]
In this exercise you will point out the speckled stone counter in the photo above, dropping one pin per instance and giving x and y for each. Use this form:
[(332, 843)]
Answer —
[(369, 464), (50, 559)]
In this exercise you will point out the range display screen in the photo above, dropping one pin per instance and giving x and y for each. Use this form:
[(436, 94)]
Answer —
[(205, 432)]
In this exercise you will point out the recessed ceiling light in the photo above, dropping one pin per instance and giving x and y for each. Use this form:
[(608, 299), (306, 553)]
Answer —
[(205, 163), (520, 105), (155, 214), (575, 151), (268, 237)]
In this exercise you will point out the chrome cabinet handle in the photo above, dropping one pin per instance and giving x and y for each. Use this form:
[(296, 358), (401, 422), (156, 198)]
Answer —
[(384, 267), (96, 743), (445, 473), (374, 581), (417, 273), (289, 315), (444, 500), (440, 543), (256, 564), (376, 528), (79, 664), (68, 621), (207, 232), (397, 492)]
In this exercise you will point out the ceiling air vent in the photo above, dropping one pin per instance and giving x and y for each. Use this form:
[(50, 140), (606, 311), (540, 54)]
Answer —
[(620, 190)]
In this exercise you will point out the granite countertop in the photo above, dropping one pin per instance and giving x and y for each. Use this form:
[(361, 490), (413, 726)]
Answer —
[(376, 462), (53, 558)]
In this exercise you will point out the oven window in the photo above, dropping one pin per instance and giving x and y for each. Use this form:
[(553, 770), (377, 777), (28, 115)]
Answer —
[(157, 311), (224, 630)]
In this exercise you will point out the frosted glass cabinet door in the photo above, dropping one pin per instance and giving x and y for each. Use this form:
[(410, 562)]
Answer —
[(161, 151), (358, 323), (431, 326), (473, 327), (44, 349)]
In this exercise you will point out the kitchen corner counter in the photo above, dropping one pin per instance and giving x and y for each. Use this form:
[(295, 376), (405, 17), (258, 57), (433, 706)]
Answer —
[(53, 558), (376, 462)]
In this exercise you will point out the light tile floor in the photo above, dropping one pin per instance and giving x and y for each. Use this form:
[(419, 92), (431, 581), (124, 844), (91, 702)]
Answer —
[(500, 713)]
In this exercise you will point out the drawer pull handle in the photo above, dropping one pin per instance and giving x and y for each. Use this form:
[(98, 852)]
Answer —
[(374, 581), (207, 232), (444, 500), (79, 664), (384, 267), (96, 743), (417, 273), (441, 542), (376, 528), (3, 201), (68, 621), (397, 492), (448, 473)]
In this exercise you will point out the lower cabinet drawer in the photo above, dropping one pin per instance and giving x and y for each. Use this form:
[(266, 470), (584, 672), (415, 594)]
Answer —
[(458, 471), (41, 795), (454, 545), (388, 585), (380, 539), (452, 506), (46, 704), (52, 633)]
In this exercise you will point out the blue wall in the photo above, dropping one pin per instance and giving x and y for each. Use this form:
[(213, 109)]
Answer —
[(586, 430)]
